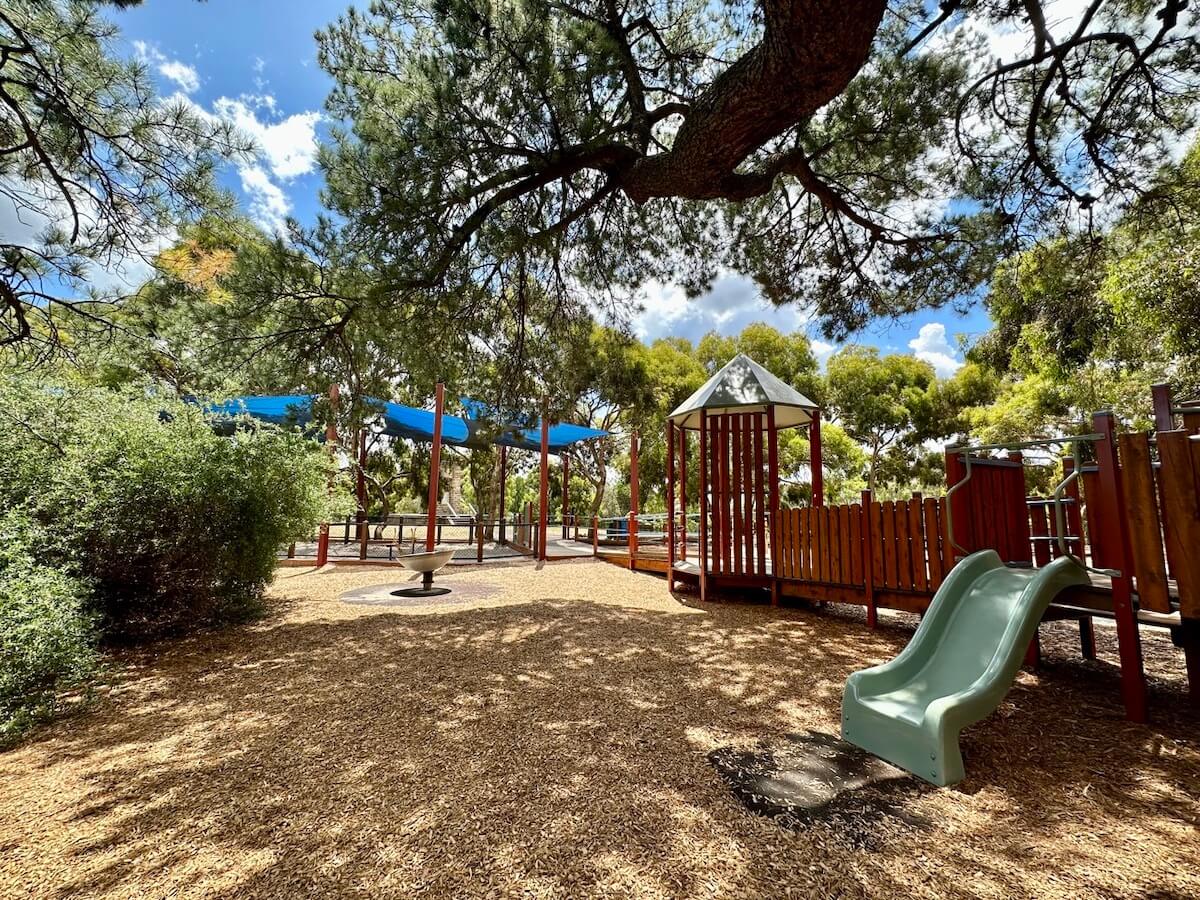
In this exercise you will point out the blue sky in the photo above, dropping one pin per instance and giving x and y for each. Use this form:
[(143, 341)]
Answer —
[(254, 61)]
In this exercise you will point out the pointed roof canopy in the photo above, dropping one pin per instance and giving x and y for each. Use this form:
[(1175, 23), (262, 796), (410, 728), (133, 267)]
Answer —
[(743, 386)]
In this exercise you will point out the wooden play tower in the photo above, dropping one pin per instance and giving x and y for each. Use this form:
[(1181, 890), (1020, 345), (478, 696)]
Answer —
[(738, 414)]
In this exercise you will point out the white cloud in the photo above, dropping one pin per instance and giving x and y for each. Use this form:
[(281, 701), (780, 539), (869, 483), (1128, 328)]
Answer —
[(733, 303), (269, 205), (185, 77), (289, 146), (822, 350), (931, 345)]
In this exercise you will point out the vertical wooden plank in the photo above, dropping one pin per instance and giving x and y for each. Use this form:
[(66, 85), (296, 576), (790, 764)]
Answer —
[(773, 487), (1090, 479), (834, 514), (735, 489), (703, 472), (786, 539), (748, 495), (683, 450), (1182, 513), (726, 499), (916, 534), (877, 565), (854, 545), (932, 548), (844, 538), (670, 503), (803, 567), (714, 502), (904, 576), (1145, 536), (823, 529), (759, 498), (1115, 526), (868, 543), (890, 567)]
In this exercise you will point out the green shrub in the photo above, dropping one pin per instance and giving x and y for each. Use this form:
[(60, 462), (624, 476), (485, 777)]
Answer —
[(173, 525), (47, 640)]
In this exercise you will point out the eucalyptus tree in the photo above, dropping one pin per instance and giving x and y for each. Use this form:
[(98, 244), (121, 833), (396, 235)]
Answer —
[(857, 157), (95, 170)]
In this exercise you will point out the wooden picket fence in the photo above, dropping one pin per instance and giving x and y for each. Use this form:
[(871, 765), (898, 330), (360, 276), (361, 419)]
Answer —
[(879, 553)]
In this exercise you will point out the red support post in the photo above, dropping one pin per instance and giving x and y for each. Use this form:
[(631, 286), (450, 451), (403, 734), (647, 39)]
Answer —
[(566, 482), (773, 501), (703, 505), (1116, 527), (868, 556), (1164, 419), (816, 461), (544, 488), (435, 467), (683, 448), (503, 489), (634, 498), (670, 505)]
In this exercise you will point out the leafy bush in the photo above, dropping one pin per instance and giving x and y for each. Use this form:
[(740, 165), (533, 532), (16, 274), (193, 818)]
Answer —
[(174, 525), (47, 640)]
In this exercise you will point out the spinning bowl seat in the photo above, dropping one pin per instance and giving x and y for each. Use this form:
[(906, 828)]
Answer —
[(426, 562)]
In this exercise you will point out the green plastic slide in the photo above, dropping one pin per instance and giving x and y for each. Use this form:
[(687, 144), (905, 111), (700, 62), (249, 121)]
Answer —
[(957, 667)]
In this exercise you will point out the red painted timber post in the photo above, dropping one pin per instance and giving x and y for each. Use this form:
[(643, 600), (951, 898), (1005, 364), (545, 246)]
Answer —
[(1164, 419), (670, 505), (435, 467), (816, 460), (868, 557), (503, 489), (683, 448), (773, 501), (566, 493), (703, 505), (1115, 525), (634, 499), (544, 488), (331, 441)]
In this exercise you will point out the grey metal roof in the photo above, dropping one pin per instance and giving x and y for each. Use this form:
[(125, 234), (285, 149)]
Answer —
[(743, 386)]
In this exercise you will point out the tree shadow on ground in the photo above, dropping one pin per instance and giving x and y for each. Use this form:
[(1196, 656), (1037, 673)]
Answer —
[(559, 748)]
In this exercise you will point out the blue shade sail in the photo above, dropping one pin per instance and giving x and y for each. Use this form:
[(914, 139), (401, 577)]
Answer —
[(412, 423)]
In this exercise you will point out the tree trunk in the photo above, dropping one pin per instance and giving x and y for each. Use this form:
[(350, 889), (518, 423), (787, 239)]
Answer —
[(809, 53)]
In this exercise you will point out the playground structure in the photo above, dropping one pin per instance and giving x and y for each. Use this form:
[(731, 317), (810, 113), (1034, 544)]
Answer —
[(1127, 507)]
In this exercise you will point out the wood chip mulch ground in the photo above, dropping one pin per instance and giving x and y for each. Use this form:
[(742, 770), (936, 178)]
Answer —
[(552, 739)]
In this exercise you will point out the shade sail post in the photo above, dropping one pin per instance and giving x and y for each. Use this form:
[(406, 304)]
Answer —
[(435, 467), (544, 489)]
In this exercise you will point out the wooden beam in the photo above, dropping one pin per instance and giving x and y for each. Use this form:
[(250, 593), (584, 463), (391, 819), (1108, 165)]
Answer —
[(670, 505), (1116, 529), (435, 467), (1160, 396), (544, 486), (816, 462), (703, 505)]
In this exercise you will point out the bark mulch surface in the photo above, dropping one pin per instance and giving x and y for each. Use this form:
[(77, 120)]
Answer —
[(557, 738)]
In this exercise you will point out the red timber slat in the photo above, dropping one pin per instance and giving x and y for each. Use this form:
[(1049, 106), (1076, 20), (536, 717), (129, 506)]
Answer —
[(735, 490), (802, 560), (875, 513), (714, 490), (904, 577), (856, 544), (785, 540), (849, 520), (890, 577), (916, 533), (932, 542), (1181, 496), (823, 538), (868, 553), (1141, 505), (834, 514), (726, 497), (1091, 511), (748, 510), (759, 493)]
